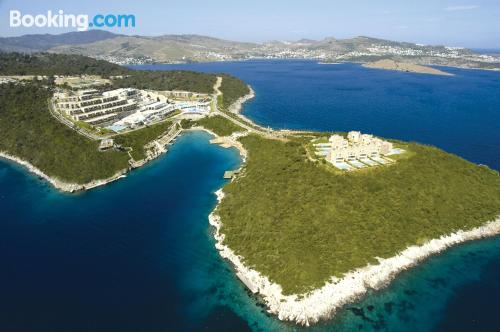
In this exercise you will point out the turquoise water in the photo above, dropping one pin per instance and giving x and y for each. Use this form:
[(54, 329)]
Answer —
[(138, 255)]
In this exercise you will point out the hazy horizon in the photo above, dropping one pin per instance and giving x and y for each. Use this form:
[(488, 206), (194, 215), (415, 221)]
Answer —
[(472, 24)]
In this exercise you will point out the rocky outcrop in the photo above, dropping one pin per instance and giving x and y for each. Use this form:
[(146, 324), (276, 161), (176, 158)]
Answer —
[(322, 303), (59, 184)]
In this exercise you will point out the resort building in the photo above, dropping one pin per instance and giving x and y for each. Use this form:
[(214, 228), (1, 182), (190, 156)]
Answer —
[(96, 108), (124, 108), (356, 151), (183, 94), (357, 146), (106, 144)]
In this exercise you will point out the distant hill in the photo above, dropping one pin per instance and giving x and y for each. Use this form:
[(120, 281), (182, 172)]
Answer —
[(124, 49), (167, 48), (43, 42)]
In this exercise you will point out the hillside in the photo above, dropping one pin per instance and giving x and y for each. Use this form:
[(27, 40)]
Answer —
[(164, 49), (124, 49), (55, 64), (29, 132), (282, 202), (43, 42)]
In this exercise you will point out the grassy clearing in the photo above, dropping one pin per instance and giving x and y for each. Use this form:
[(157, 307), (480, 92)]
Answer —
[(139, 138), (299, 224), (218, 124)]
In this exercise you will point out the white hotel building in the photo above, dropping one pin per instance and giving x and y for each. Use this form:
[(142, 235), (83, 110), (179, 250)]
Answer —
[(94, 107), (357, 146), (126, 107)]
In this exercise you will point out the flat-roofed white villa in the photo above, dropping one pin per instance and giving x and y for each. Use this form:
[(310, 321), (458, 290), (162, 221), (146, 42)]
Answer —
[(356, 151)]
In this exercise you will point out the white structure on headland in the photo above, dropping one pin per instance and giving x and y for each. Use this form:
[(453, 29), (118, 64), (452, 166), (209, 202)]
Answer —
[(127, 107), (94, 107), (106, 143), (356, 146), (356, 151)]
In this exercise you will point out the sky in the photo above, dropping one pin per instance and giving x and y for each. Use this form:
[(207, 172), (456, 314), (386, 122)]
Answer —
[(468, 23)]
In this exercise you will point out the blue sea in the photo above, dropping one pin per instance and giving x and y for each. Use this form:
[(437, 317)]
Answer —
[(138, 254)]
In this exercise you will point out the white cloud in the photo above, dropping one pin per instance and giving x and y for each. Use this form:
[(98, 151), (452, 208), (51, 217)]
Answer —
[(458, 8), (401, 27), (432, 19)]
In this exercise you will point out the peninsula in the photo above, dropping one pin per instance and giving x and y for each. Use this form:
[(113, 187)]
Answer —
[(390, 64), (123, 49), (304, 234), (309, 236), (82, 131)]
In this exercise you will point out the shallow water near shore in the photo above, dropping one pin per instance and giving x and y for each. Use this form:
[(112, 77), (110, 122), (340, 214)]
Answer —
[(138, 254)]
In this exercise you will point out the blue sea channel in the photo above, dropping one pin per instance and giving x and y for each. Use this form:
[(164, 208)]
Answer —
[(138, 254)]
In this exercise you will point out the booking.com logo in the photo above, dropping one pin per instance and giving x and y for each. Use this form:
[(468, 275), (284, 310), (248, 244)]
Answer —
[(81, 22)]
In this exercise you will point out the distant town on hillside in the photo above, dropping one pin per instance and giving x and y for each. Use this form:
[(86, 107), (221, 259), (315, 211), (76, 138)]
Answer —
[(125, 49)]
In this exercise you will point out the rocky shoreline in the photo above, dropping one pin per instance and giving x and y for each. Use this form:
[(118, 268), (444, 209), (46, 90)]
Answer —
[(237, 106), (322, 303), (155, 150), (59, 184)]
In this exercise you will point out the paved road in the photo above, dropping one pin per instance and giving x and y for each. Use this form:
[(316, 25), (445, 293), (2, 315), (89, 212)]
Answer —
[(253, 129), (59, 117)]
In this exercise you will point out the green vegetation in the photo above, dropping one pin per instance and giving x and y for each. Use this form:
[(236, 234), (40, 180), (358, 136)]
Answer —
[(55, 64), (28, 131), (218, 124), (168, 80), (292, 219), (232, 89), (139, 138), (300, 224), (48, 64), (92, 129)]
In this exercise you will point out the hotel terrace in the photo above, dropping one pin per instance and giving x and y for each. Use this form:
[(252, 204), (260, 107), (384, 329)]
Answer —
[(96, 108), (126, 107), (357, 151)]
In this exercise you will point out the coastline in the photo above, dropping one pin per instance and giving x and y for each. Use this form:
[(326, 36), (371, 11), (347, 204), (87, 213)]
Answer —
[(388, 64), (59, 184), (226, 141), (323, 303), (157, 149), (237, 106)]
